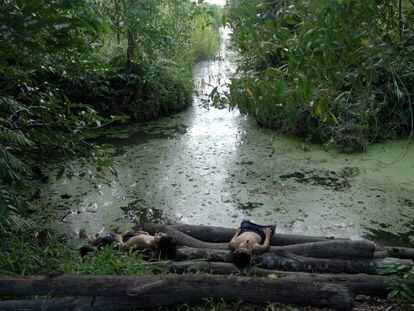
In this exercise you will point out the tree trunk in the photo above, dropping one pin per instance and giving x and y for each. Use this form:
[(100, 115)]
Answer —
[(166, 290), (183, 239), (324, 249), (68, 304), (292, 262), (319, 247), (288, 261), (130, 48), (395, 252), (224, 235), (360, 284), (330, 249)]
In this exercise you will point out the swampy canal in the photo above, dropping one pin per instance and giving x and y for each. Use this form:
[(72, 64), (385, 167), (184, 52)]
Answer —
[(215, 167)]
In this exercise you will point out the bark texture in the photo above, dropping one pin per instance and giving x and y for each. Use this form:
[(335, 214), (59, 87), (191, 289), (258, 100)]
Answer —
[(164, 290), (360, 284), (288, 261), (223, 235)]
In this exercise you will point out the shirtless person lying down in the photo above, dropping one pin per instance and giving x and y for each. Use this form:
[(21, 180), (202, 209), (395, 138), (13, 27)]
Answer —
[(138, 240), (249, 238)]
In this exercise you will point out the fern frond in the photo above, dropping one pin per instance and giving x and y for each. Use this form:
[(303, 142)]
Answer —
[(11, 168), (10, 206), (16, 138), (10, 104)]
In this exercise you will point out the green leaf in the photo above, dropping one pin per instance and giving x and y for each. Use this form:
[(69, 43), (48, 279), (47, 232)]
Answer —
[(60, 173)]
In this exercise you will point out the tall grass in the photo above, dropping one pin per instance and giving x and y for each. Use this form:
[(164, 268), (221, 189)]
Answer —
[(205, 41), (205, 36)]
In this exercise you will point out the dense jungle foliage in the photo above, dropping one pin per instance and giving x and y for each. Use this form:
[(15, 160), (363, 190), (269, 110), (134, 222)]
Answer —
[(69, 66), (336, 71)]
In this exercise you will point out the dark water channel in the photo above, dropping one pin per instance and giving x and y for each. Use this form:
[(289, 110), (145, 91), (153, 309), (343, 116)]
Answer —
[(215, 167)]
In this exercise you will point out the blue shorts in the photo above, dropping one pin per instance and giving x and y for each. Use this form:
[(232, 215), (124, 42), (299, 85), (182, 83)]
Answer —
[(248, 226), (109, 239)]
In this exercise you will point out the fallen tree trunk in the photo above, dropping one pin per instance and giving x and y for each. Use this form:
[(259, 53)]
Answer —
[(68, 304), (216, 237), (164, 290), (323, 249), (223, 235), (395, 252), (183, 239), (360, 284), (330, 249), (288, 261)]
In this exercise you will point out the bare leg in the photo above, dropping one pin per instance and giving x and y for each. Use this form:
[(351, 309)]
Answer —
[(119, 241), (92, 241), (83, 234)]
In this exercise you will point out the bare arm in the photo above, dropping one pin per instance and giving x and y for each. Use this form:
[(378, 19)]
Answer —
[(233, 242), (142, 232), (118, 237), (262, 248)]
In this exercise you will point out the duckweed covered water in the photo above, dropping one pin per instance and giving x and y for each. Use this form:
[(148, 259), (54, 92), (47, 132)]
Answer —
[(215, 167)]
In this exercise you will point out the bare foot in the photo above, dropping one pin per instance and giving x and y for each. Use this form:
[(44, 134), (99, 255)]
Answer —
[(83, 234), (114, 233)]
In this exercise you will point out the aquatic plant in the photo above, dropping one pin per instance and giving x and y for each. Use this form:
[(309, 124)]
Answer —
[(397, 273)]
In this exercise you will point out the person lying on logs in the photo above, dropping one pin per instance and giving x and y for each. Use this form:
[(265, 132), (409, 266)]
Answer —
[(138, 240), (249, 238)]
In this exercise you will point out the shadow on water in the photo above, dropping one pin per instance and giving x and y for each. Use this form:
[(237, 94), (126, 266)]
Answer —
[(119, 137), (139, 212), (328, 179)]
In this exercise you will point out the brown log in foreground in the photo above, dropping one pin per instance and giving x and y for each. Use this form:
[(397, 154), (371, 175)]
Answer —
[(323, 249), (360, 284), (165, 290), (223, 235), (288, 261), (67, 304)]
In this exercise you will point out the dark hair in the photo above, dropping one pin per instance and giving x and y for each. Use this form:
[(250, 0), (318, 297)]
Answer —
[(165, 243), (166, 247), (85, 250), (242, 259)]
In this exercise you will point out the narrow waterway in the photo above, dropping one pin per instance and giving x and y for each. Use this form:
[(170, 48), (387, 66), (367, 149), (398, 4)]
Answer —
[(215, 167)]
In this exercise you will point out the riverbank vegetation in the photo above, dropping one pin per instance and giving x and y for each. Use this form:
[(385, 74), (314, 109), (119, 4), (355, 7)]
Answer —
[(71, 67), (336, 72)]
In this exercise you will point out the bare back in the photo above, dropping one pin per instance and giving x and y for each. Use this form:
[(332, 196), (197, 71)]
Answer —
[(140, 241)]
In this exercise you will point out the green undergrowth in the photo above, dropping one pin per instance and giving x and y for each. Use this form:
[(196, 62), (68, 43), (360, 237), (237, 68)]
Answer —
[(332, 71), (34, 254)]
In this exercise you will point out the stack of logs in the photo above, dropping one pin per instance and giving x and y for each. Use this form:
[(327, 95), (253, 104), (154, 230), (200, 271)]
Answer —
[(301, 270)]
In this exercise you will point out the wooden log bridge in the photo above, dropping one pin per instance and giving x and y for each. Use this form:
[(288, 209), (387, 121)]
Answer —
[(145, 292)]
